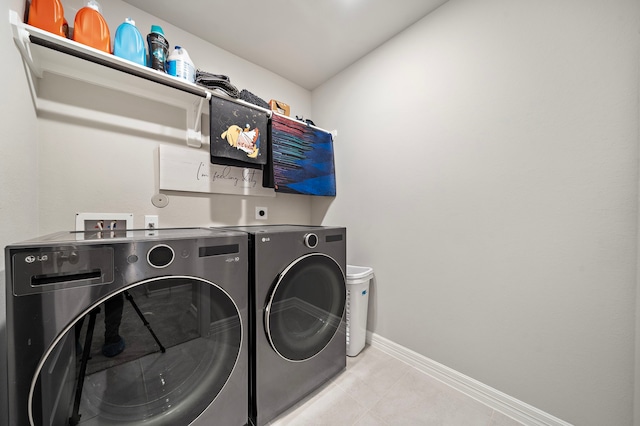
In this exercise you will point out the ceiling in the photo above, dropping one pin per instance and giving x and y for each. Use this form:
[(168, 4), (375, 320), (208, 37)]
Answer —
[(304, 41)]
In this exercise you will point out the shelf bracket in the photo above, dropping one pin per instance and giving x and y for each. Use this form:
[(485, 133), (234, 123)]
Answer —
[(194, 119), (21, 37)]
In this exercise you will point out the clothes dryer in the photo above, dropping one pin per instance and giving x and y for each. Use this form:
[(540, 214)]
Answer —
[(177, 302), (297, 293)]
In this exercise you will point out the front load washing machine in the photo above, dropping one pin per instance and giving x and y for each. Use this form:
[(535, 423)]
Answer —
[(298, 293), (147, 327)]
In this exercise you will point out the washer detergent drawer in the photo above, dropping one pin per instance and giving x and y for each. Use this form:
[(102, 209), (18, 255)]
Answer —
[(43, 270)]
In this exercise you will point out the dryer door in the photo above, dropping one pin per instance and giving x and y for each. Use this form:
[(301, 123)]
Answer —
[(305, 307), (182, 338)]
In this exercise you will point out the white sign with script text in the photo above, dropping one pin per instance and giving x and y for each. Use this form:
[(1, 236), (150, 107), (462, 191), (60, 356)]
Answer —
[(189, 169)]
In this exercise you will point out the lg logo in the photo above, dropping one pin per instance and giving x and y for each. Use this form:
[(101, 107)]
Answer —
[(31, 258)]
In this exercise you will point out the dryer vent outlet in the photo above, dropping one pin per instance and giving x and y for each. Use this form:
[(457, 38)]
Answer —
[(262, 213)]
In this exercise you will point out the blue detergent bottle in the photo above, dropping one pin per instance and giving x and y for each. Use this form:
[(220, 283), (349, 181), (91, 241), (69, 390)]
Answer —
[(129, 44)]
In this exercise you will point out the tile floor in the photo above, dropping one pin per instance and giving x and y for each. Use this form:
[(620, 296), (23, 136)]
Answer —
[(377, 389)]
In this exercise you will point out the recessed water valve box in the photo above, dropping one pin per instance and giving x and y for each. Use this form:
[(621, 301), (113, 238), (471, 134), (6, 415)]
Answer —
[(103, 221)]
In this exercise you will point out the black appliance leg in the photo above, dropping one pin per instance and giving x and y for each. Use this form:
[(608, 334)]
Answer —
[(86, 352), (144, 320)]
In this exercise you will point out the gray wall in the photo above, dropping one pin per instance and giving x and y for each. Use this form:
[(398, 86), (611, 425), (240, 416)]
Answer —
[(487, 171), (96, 168)]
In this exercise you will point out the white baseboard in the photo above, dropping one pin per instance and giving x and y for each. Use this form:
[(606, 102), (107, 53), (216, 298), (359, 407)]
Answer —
[(514, 408)]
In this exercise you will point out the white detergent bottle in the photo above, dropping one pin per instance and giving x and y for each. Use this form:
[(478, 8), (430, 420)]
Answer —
[(181, 66)]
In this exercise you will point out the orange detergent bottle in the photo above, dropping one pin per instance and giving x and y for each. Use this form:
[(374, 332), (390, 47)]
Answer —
[(91, 29), (48, 15)]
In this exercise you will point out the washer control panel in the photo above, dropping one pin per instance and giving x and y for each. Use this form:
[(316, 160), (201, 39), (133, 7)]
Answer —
[(311, 240), (160, 256)]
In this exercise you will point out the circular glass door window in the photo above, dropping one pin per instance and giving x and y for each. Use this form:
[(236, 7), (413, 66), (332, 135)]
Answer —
[(305, 307), (180, 340)]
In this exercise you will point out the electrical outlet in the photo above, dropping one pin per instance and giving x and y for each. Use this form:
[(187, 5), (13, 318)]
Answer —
[(151, 221), (262, 213)]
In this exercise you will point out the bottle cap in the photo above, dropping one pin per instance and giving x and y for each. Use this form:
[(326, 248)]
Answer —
[(130, 21), (93, 4), (157, 29)]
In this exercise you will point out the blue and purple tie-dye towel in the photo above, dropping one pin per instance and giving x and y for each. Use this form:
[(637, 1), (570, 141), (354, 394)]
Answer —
[(302, 158)]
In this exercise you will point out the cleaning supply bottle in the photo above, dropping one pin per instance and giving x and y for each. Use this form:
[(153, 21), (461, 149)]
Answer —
[(181, 65), (48, 15), (90, 27), (158, 49), (129, 44)]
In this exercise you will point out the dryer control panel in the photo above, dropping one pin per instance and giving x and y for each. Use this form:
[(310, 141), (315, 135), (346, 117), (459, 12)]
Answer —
[(311, 240)]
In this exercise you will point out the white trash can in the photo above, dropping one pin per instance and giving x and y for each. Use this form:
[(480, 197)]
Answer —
[(358, 278)]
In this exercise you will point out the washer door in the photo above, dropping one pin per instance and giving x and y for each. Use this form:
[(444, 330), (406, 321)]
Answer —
[(182, 340), (305, 307)]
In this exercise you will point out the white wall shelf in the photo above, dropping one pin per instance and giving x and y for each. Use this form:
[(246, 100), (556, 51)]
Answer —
[(44, 52)]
